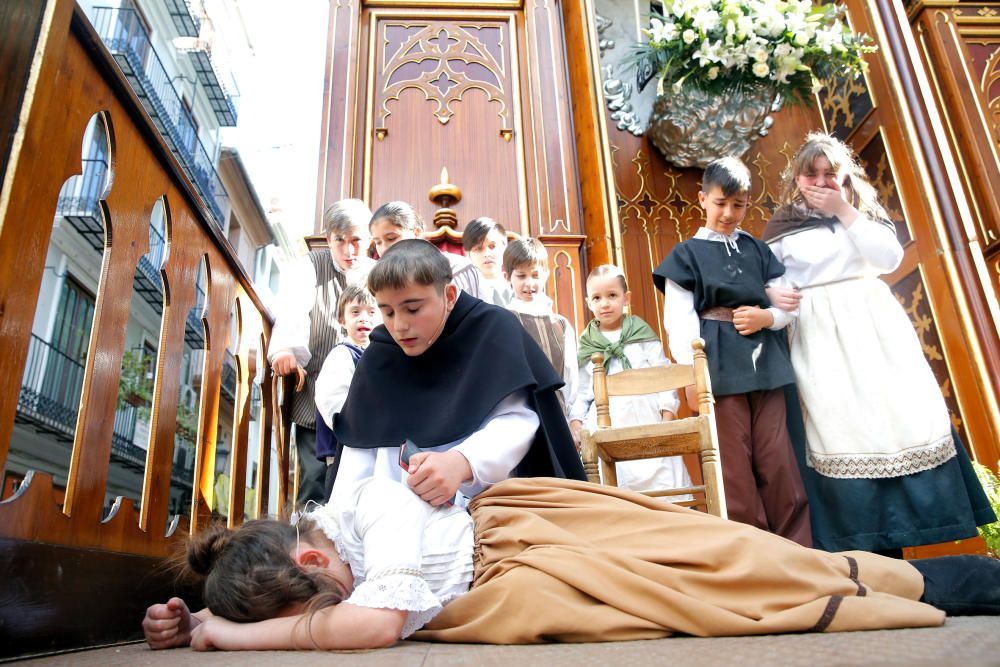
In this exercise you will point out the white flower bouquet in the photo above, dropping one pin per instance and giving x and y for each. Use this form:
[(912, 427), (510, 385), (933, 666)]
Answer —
[(791, 47)]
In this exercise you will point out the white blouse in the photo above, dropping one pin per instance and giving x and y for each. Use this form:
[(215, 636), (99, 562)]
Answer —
[(816, 256), (625, 410), (403, 553), (542, 306), (493, 451)]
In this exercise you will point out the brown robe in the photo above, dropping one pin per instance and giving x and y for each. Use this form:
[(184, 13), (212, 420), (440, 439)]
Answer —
[(561, 560)]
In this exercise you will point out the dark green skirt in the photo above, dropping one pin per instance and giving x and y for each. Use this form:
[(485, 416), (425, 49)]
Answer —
[(937, 505)]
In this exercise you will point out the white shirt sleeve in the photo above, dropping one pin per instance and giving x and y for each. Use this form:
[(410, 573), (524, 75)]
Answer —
[(355, 465), (571, 369), (584, 392), (501, 442), (333, 381), (667, 400), (876, 243), (681, 321), (291, 323)]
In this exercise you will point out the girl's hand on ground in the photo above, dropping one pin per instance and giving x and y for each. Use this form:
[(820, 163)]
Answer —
[(168, 625), (436, 476), (751, 319), (218, 634), (785, 298)]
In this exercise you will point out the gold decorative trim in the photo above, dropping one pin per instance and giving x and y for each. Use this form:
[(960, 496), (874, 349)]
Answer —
[(448, 4)]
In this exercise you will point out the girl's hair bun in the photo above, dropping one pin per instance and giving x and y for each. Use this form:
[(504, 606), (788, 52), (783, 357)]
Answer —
[(206, 547)]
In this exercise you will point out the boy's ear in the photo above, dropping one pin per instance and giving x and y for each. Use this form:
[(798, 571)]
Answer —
[(505, 276), (701, 198), (628, 298), (418, 232), (450, 296)]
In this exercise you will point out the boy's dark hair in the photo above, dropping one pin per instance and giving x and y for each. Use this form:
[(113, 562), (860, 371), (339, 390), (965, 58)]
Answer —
[(353, 293), (520, 252), (477, 230), (400, 214), (729, 174), (410, 261)]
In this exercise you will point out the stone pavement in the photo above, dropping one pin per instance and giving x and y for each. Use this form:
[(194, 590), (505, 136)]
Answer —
[(961, 642)]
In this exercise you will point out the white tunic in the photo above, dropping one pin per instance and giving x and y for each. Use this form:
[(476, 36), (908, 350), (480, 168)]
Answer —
[(403, 553), (493, 450), (648, 474)]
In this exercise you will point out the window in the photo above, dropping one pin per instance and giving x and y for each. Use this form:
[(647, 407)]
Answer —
[(68, 348)]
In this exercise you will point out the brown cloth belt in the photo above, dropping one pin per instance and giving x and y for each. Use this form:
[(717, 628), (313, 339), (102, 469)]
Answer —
[(720, 313)]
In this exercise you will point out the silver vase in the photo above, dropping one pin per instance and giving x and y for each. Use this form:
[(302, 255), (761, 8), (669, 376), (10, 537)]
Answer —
[(691, 128)]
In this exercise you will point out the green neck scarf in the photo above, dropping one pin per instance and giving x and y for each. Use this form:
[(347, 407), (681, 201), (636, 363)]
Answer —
[(634, 330)]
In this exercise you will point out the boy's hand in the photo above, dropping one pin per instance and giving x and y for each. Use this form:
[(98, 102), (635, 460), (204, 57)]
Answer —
[(667, 416), (436, 476), (284, 363), (691, 396), (169, 625), (785, 298), (751, 319), (575, 427)]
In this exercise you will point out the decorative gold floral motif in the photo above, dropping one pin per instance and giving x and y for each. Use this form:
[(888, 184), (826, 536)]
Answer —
[(845, 103), (444, 62), (911, 289)]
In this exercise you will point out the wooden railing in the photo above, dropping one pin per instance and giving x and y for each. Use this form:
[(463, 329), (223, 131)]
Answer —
[(58, 76)]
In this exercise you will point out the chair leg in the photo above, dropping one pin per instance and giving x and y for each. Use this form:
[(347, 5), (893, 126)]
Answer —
[(610, 473), (589, 454)]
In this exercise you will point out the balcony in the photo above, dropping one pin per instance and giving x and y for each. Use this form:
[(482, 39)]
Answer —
[(223, 103), (186, 23), (50, 398), (126, 38)]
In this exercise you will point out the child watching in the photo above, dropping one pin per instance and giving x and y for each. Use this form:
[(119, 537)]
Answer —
[(626, 342), (714, 288), (459, 378), (484, 240), (357, 314), (396, 221), (526, 268)]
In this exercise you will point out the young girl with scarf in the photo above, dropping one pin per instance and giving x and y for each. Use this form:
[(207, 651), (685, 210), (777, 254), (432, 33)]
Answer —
[(626, 342)]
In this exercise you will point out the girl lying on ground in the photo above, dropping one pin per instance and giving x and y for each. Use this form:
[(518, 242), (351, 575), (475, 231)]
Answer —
[(604, 563)]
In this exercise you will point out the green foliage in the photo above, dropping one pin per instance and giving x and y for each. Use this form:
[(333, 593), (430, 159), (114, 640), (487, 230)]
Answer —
[(136, 384), (991, 485), (722, 46)]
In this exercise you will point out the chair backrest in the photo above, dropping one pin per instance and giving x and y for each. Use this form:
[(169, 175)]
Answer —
[(637, 381)]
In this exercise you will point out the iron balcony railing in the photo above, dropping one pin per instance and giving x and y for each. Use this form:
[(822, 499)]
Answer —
[(50, 398), (125, 35)]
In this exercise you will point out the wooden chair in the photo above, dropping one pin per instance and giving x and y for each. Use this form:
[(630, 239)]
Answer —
[(691, 435)]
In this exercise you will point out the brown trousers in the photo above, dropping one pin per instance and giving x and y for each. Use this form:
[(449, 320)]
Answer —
[(761, 477)]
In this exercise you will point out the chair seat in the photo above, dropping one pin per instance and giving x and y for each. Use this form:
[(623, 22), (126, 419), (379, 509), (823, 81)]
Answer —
[(631, 443)]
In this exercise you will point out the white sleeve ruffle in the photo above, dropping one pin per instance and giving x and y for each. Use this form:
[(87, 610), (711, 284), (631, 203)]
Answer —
[(404, 591)]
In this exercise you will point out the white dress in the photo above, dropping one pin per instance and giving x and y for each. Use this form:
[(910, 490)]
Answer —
[(873, 408), (493, 451), (403, 553), (659, 473)]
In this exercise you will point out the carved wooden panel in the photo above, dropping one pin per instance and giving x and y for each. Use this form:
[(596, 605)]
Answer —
[(912, 295), (445, 93)]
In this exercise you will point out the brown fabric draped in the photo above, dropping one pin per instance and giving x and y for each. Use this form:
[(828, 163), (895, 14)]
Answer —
[(560, 560)]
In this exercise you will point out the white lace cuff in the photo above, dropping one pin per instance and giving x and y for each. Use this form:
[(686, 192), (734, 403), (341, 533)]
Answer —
[(396, 590)]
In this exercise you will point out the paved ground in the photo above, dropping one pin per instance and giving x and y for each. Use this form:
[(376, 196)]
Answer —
[(962, 642)]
